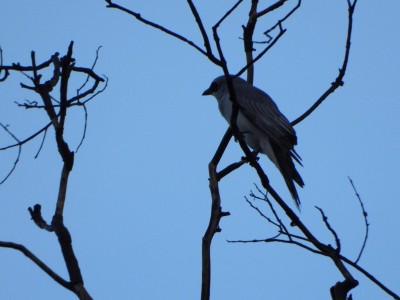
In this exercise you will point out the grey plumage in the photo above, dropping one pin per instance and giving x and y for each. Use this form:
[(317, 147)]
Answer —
[(264, 128)]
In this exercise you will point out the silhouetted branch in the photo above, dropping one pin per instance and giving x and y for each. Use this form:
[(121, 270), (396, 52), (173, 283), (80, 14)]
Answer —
[(84, 128), (36, 216), (342, 71), (270, 8), (229, 169), (365, 214), (325, 219), (18, 155), (334, 254), (88, 75), (263, 215), (284, 230), (6, 73), (261, 54), (284, 18), (215, 216), (202, 30), (41, 144), (63, 68), (38, 262), (163, 29), (22, 142), (370, 277)]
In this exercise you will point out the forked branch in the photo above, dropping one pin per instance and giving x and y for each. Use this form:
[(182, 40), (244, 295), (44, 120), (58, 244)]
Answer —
[(63, 69)]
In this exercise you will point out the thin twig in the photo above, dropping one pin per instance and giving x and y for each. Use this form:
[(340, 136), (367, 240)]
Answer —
[(262, 214), (88, 75), (342, 71), (365, 214), (261, 54), (84, 128), (330, 228), (227, 13), (41, 144), (275, 213), (279, 23), (18, 155), (20, 143), (202, 29)]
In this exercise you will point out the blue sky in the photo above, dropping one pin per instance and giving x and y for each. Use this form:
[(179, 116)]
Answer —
[(138, 200)]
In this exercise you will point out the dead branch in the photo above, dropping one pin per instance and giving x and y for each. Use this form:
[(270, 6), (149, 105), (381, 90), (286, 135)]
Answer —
[(215, 217), (138, 16), (342, 71), (330, 228), (38, 262), (18, 155), (56, 111), (365, 214)]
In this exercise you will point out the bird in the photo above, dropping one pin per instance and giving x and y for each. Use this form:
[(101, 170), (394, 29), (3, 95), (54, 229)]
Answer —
[(262, 126)]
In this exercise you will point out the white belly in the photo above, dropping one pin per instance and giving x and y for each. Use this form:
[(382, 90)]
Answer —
[(253, 136)]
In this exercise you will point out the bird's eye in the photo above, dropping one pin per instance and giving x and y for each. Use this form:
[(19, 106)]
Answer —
[(214, 86)]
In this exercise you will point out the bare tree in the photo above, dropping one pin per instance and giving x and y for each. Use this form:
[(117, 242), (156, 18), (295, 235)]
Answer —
[(281, 216), (307, 240), (55, 100)]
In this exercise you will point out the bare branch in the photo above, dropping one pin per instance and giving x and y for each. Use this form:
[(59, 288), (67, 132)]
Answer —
[(274, 212), (18, 67), (279, 23), (261, 54), (62, 70), (273, 240), (370, 277), (38, 262), (342, 71), (203, 32), (84, 128), (20, 143), (18, 155), (36, 216), (271, 8), (88, 75), (163, 29), (6, 73), (325, 219), (227, 13), (263, 215), (41, 144), (248, 32), (230, 168), (365, 214)]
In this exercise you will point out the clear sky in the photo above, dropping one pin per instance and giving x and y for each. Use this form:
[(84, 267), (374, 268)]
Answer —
[(138, 200)]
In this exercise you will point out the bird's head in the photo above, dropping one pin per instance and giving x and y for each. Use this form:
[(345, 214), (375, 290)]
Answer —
[(217, 87)]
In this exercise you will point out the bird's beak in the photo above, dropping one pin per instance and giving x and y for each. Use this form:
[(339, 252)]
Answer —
[(207, 92)]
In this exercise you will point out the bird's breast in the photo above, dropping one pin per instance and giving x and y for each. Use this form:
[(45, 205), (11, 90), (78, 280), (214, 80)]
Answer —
[(251, 134)]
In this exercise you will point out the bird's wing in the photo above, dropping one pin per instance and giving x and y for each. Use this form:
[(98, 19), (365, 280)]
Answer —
[(262, 111)]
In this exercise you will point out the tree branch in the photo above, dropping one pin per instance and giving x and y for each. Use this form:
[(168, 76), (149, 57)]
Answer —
[(62, 70), (365, 214), (342, 71), (38, 262), (163, 29)]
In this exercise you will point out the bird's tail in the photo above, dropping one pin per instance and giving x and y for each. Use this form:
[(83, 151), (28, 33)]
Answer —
[(289, 173)]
